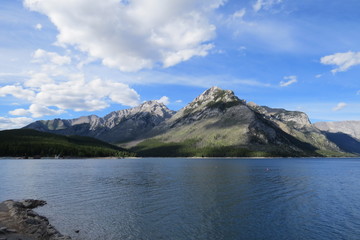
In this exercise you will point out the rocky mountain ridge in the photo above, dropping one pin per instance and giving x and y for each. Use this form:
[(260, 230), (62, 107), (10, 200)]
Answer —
[(345, 134), (115, 127), (351, 128), (216, 123), (218, 120)]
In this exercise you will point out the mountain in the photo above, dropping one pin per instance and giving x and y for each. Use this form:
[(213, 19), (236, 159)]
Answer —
[(30, 143), (346, 134), (217, 123), (116, 127), (351, 128)]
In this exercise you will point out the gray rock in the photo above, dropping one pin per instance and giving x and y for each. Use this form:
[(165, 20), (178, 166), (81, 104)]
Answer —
[(117, 126), (351, 128), (29, 222), (219, 119), (32, 203)]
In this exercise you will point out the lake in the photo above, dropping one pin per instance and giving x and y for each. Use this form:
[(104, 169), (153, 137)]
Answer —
[(192, 198)]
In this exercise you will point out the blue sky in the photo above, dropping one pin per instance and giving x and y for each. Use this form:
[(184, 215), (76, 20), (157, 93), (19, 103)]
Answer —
[(65, 59)]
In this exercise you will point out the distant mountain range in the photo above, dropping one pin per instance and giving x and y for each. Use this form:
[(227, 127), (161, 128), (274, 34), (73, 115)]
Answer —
[(116, 127), (218, 124)]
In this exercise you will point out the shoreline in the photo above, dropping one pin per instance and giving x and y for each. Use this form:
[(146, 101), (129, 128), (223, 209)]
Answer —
[(19, 221), (197, 158)]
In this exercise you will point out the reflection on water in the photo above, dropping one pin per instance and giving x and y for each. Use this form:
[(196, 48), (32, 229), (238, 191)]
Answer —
[(192, 198)]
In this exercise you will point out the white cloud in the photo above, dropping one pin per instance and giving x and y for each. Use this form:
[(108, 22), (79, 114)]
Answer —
[(290, 80), (339, 106), (318, 75), (55, 88), (134, 34), (358, 92), (20, 112), (258, 5), (42, 56), (179, 101), (343, 61), (164, 99), (38, 26), (239, 14), (18, 92), (36, 110), (38, 79), (14, 123), (264, 4), (77, 94)]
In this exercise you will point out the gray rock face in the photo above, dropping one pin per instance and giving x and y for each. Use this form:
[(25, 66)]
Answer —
[(25, 223), (211, 98), (118, 126), (218, 119), (351, 128), (296, 119), (210, 103)]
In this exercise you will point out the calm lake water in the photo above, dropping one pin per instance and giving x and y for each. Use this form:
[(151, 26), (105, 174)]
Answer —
[(192, 198)]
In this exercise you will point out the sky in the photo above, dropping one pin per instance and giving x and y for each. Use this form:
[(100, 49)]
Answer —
[(72, 58)]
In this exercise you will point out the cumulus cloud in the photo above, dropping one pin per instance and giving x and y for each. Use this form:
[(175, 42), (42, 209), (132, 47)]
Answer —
[(134, 34), (20, 112), (38, 26), (42, 56), (79, 95), (164, 99), (38, 79), (17, 91), (343, 61), (36, 110), (13, 123), (54, 91), (264, 4), (339, 106), (290, 80)]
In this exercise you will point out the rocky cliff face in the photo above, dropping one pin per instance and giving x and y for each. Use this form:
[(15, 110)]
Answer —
[(218, 120), (351, 128), (345, 134), (296, 124), (209, 104), (118, 126), (295, 119)]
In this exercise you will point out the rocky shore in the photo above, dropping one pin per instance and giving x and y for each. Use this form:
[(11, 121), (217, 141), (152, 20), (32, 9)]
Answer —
[(19, 222)]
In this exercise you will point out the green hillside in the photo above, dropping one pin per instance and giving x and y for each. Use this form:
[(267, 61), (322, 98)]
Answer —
[(30, 143)]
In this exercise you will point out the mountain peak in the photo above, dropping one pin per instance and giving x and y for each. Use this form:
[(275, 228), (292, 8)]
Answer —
[(214, 88), (217, 94), (212, 97), (151, 103), (152, 107)]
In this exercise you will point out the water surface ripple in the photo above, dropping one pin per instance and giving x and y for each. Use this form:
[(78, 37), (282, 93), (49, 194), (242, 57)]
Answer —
[(192, 198)]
